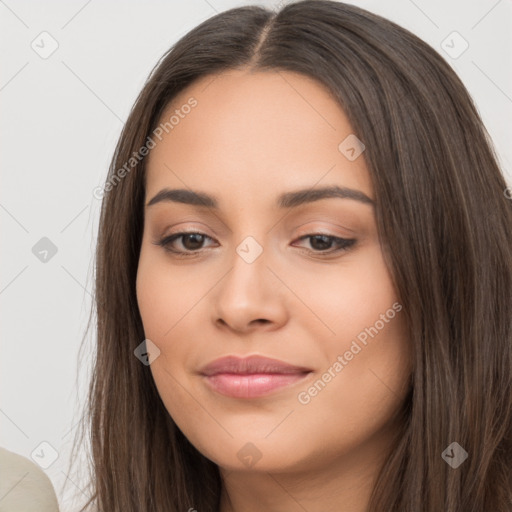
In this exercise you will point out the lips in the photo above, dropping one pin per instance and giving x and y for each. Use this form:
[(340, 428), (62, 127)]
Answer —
[(252, 376), (250, 365)]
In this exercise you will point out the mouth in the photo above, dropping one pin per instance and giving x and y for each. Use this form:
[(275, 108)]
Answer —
[(251, 377)]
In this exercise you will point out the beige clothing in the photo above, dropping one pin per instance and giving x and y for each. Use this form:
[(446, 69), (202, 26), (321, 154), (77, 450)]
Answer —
[(24, 486)]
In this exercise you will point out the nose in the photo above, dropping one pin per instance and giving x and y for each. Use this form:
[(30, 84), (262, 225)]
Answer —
[(250, 297)]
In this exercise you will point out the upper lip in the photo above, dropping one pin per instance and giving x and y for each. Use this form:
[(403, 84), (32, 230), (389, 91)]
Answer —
[(250, 365)]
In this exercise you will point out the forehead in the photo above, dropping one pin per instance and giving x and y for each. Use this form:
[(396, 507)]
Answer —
[(253, 133)]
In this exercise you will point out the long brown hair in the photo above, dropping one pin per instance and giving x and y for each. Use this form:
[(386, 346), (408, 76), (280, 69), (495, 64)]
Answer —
[(444, 222)]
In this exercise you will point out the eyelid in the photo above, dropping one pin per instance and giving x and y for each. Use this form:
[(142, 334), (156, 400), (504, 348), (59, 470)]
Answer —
[(349, 232)]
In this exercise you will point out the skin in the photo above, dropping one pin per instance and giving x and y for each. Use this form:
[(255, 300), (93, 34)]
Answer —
[(251, 137)]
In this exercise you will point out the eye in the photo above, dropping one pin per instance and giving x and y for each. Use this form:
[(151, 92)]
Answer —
[(322, 244), (191, 241)]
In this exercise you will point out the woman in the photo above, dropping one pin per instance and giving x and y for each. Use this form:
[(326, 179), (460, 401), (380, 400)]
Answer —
[(304, 278)]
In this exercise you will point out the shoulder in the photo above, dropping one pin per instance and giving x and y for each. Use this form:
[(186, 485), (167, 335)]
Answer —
[(24, 486)]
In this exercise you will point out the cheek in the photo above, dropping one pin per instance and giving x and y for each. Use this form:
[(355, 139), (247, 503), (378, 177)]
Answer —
[(165, 295), (364, 383), (362, 337), (346, 297)]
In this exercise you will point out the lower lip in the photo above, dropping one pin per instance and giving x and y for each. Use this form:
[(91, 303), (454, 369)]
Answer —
[(252, 385)]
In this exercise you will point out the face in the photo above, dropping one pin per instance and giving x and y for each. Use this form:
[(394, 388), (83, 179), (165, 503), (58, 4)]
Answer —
[(299, 279)]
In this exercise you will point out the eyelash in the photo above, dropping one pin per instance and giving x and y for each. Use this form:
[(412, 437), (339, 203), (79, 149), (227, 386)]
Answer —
[(344, 244)]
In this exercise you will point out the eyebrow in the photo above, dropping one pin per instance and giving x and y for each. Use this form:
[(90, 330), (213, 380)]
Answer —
[(286, 200)]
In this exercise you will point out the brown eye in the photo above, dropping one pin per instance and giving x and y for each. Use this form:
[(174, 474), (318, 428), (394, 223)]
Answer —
[(323, 243), (190, 242)]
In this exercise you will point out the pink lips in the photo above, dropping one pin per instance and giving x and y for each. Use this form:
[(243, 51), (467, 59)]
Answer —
[(250, 377)]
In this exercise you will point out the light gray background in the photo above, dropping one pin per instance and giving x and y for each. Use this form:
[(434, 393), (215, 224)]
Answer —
[(60, 119)]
